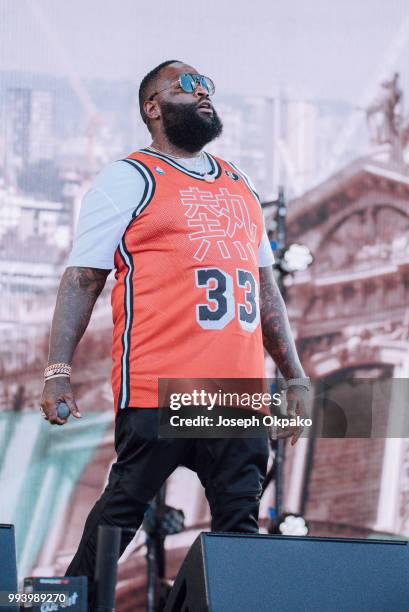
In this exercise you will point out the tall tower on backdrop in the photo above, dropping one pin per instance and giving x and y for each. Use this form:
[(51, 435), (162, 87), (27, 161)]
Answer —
[(29, 129)]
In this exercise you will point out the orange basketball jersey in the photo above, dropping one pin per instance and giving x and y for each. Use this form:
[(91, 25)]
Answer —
[(186, 299)]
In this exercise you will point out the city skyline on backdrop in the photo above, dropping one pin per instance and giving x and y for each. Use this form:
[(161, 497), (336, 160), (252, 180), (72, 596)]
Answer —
[(251, 129)]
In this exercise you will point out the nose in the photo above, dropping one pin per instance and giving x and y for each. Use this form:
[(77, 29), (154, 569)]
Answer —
[(200, 91)]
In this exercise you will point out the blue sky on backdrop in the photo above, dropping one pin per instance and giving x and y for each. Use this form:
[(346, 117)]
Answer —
[(318, 49)]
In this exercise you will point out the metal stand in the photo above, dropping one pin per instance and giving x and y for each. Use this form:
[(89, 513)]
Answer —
[(160, 521), (155, 555), (280, 268), (288, 260), (276, 471)]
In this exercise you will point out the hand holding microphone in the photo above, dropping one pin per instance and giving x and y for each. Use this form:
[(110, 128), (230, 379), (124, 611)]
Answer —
[(57, 401)]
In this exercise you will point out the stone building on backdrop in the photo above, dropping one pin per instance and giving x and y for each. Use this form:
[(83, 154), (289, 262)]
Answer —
[(350, 311)]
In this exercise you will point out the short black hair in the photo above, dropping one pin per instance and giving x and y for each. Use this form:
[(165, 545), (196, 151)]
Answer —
[(146, 81)]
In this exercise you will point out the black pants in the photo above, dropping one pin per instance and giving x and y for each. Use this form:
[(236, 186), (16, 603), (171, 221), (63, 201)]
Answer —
[(231, 471)]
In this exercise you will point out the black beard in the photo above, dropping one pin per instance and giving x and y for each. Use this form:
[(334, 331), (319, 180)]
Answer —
[(187, 128)]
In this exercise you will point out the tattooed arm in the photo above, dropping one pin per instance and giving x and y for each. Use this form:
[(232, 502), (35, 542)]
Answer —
[(277, 337), (279, 343), (78, 291)]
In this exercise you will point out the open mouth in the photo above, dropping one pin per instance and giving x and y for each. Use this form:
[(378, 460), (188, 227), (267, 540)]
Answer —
[(205, 107)]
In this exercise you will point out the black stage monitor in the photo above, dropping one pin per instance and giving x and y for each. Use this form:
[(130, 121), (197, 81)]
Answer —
[(8, 566), (262, 573)]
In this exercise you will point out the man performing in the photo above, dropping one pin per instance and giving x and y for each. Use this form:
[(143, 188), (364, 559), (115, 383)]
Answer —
[(195, 297)]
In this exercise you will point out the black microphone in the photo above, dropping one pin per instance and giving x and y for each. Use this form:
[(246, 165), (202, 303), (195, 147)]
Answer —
[(62, 410)]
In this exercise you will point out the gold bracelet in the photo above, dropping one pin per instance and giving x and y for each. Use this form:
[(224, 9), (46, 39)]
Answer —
[(57, 365), (56, 376), (57, 368)]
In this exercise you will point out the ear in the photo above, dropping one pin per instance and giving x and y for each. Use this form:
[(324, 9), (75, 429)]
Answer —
[(151, 109)]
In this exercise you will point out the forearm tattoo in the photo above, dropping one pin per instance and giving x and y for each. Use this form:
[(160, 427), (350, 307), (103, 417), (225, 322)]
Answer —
[(78, 291), (277, 337)]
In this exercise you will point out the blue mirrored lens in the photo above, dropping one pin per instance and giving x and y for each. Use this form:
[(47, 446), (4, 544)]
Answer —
[(207, 84), (189, 82)]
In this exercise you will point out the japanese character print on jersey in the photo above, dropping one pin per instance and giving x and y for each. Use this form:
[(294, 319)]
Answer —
[(186, 298)]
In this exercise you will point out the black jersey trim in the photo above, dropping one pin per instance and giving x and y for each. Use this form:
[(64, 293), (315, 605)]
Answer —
[(215, 166), (150, 185), (126, 256), (246, 180), (123, 400)]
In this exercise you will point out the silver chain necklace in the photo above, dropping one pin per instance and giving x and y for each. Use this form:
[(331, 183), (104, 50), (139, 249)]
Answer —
[(198, 158)]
